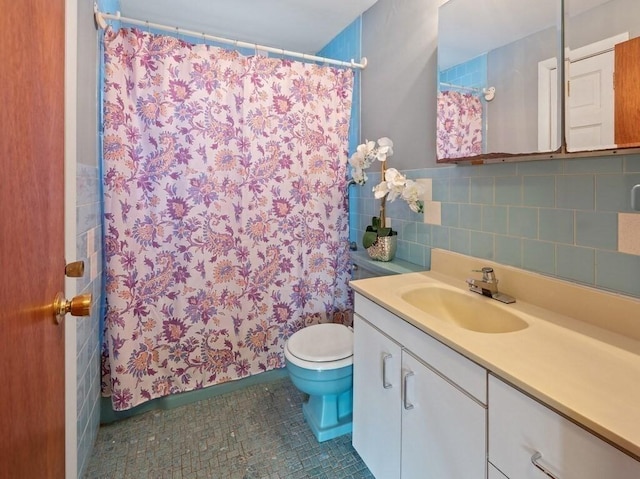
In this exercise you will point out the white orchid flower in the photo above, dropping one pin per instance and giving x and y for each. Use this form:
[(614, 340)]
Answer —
[(412, 191), (380, 190), (386, 144), (417, 206), (394, 177), (385, 149), (357, 160), (412, 194), (384, 141), (359, 176), (394, 193), (395, 183), (366, 148)]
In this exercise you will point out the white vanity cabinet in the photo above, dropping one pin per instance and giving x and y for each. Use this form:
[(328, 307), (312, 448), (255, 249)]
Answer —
[(522, 429), (494, 473), (419, 407)]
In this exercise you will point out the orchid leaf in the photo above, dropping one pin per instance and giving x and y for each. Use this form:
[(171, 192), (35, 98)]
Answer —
[(369, 238)]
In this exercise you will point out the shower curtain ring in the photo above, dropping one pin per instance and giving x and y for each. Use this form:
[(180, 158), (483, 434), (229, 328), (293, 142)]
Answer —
[(148, 29)]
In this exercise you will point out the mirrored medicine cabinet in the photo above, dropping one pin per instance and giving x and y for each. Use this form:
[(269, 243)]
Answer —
[(501, 65)]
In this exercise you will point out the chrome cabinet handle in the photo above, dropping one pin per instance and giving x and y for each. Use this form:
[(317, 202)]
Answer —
[(407, 405), (385, 383), (534, 460)]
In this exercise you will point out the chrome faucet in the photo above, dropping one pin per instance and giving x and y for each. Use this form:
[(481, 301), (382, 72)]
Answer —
[(488, 286)]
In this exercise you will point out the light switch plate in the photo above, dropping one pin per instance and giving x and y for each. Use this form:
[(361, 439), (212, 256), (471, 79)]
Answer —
[(433, 212), (629, 233)]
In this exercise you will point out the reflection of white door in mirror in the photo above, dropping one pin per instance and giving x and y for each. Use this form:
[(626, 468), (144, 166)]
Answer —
[(590, 103), (590, 96), (548, 105)]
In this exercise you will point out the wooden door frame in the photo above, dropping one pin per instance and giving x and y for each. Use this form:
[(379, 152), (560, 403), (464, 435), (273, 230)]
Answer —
[(70, 233)]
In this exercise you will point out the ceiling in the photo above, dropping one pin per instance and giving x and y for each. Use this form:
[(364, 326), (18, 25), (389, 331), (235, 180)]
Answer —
[(299, 25)]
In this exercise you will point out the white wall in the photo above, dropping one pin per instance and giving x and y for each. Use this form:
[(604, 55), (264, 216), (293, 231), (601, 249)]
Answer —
[(400, 38)]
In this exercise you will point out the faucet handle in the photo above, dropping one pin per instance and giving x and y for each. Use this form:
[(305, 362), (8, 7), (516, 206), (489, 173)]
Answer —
[(487, 274)]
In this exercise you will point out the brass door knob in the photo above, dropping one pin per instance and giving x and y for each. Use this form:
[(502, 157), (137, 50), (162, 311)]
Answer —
[(78, 306)]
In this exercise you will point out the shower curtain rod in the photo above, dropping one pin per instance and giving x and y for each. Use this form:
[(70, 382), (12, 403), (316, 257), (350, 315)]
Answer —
[(488, 93), (469, 88), (101, 18)]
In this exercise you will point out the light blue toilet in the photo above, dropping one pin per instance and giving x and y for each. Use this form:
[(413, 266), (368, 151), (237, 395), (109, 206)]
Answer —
[(319, 359)]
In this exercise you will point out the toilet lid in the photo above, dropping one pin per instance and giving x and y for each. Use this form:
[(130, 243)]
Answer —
[(322, 342)]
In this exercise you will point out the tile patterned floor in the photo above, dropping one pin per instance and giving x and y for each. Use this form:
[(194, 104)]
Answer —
[(254, 433)]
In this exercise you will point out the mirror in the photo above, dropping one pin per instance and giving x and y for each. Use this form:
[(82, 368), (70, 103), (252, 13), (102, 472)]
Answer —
[(498, 78), (602, 109)]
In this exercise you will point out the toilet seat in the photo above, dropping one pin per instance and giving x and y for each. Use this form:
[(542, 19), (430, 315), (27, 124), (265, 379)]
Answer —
[(321, 347)]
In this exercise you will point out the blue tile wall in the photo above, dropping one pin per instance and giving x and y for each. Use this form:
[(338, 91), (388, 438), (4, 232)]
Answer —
[(557, 218), (88, 249), (469, 74), (347, 46)]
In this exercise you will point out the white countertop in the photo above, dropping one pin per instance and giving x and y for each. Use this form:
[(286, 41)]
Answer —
[(587, 369)]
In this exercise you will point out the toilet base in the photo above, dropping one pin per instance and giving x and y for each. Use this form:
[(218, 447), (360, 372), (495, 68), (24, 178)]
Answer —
[(329, 416)]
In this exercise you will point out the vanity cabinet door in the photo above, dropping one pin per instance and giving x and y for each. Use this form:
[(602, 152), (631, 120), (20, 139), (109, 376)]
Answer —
[(443, 428), (495, 474), (376, 399), (523, 431)]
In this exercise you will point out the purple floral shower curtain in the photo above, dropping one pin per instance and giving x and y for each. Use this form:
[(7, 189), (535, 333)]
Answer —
[(225, 211), (459, 125)]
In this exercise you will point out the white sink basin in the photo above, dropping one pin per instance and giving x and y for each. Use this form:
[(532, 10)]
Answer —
[(466, 310)]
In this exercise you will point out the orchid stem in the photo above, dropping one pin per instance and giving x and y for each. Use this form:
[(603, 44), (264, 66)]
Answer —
[(383, 218)]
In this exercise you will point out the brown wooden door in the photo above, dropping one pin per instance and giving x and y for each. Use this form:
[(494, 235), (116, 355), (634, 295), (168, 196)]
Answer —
[(627, 93), (31, 238)]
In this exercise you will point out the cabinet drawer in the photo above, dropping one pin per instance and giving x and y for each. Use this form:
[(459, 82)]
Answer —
[(466, 374), (520, 427)]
